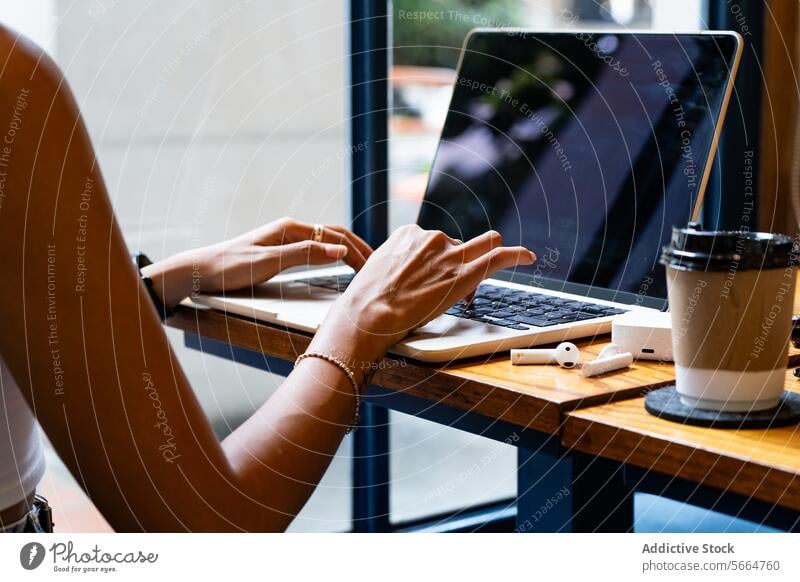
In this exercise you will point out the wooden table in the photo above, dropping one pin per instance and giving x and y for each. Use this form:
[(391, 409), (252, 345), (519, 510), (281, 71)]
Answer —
[(527, 396), (749, 473), (523, 406), (715, 467), (527, 406)]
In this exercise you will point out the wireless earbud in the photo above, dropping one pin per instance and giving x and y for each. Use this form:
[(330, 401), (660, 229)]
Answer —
[(566, 355), (608, 360), (608, 351)]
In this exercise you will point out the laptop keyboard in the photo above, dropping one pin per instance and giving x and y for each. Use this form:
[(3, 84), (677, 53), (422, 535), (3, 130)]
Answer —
[(503, 306), (333, 282)]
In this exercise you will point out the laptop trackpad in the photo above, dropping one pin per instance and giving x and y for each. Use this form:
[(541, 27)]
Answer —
[(447, 325)]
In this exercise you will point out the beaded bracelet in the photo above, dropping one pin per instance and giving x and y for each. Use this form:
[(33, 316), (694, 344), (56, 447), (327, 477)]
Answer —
[(350, 376)]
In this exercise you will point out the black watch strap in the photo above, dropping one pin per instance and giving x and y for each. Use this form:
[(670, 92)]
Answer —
[(141, 260)]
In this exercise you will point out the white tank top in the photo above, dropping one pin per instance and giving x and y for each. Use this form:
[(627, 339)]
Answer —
[(21, 458)]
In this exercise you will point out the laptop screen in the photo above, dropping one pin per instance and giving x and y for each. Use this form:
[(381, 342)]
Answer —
[(586, 148)]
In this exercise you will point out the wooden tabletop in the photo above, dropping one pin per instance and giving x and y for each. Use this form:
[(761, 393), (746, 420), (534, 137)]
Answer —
[(760, 463), (529, 396)]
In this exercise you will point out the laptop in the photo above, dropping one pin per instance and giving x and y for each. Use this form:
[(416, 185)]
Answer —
[(584, 147)]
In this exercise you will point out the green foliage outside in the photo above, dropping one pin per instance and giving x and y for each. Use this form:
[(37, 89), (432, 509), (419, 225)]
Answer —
[(429, 33)]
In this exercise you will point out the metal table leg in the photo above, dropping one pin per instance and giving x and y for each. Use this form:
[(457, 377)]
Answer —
[(558, 491), (371, 471)]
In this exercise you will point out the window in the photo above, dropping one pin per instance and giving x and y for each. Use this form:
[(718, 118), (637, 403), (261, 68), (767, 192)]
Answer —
[(211, 118), (435, 469)]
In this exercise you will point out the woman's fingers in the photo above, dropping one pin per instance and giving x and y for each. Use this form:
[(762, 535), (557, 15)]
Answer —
[(307, 252), (453, 241), (480, 245), (357, 241), (358, 251), (498, 259), (495, 260), (282, 231), (468, 299)]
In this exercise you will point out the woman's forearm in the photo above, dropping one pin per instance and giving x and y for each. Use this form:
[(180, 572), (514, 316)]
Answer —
[(290, 441), (281, 452)]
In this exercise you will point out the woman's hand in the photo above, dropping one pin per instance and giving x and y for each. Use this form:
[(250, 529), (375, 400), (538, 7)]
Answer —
[(413, 277), (253, 258)]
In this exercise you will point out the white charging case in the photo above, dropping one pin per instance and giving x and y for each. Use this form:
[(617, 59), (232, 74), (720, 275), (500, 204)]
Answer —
[(645, 334)]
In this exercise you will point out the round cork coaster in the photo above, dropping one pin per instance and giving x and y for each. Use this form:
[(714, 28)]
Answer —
[(665, 403)]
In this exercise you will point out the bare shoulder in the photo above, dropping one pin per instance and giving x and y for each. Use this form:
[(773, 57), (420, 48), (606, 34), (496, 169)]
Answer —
[(37, 114), (23, 60)]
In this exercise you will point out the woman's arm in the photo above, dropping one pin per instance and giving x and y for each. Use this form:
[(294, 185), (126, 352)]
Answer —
[(415, 276), (253, 258), (86, 347)]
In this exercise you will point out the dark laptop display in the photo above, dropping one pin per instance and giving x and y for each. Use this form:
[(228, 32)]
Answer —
[(584, 148)]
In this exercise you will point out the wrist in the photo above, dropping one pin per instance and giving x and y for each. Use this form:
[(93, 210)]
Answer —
[(355, 334), (172, 278), (349, 344), (346, 347)]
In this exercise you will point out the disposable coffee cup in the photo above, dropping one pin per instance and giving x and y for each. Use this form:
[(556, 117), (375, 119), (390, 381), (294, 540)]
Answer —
[(731, 298)]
